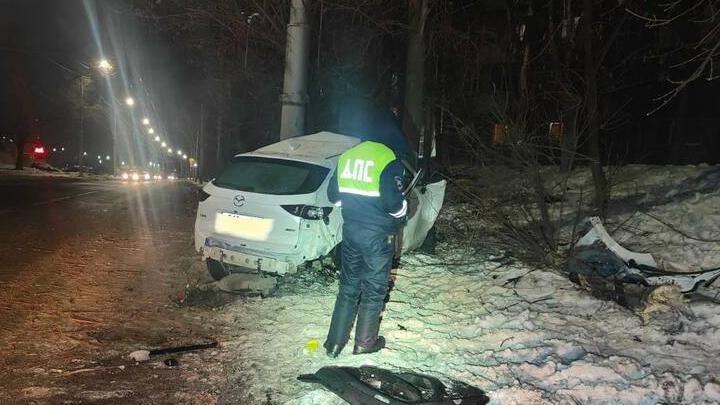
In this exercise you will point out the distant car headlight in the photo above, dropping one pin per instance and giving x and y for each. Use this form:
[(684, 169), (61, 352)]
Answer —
[(135, 176), (171, 177), (125, 176), (147, 176)]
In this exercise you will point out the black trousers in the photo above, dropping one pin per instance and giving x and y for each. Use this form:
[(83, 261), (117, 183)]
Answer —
[(366, 260)]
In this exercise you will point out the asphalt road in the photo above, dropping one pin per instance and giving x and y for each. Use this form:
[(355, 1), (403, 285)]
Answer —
[(23, 193), (90, 270), (39, 214)]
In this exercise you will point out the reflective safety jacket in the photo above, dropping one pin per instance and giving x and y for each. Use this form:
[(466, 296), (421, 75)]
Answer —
[(367, 185)]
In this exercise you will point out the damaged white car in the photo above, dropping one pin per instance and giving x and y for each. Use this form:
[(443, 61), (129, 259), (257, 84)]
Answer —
[(268, 212)]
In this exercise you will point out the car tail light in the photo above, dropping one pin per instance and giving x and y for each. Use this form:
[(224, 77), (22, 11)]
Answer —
[(308, 211), (202, 195)]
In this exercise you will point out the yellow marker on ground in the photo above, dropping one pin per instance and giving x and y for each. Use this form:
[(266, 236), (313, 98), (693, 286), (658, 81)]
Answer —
[(312, 345)]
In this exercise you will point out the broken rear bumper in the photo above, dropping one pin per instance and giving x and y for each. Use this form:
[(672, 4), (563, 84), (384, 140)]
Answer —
[(248, 259)]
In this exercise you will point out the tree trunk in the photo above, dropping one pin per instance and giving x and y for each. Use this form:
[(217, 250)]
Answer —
[(219, 140), (200, 146), (568, 141), (600, 199), (20, 145), (568, 108)]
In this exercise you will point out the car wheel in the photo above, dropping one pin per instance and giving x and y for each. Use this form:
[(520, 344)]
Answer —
[(216, 269), (336, 256)]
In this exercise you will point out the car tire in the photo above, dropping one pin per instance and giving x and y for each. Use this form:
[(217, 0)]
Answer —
[(217, 270), (336, 257)]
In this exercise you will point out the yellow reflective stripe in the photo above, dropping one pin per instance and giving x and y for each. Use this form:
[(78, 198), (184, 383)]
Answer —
[(401, 213), (367, 193)]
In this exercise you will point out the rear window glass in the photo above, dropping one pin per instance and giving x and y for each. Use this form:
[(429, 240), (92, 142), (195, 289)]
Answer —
[(272, 176)]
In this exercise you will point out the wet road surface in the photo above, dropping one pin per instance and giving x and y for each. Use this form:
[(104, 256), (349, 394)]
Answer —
[(90, 270)]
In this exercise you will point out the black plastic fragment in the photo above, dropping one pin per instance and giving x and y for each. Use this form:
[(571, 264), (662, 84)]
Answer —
[(375, 386)]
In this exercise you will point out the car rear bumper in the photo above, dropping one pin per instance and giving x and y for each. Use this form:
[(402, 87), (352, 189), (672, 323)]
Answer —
[(250, 261)]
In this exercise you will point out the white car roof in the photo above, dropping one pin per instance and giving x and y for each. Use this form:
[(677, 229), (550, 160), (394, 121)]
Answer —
[(320, 148)]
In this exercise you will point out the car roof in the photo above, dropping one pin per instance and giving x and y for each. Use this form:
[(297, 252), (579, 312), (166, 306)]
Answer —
[(320, 148)]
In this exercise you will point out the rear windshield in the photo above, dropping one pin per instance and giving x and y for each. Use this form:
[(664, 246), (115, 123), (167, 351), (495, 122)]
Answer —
[(272, 176)]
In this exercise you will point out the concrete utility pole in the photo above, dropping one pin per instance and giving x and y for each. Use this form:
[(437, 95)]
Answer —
[(294, 97), (413, 117)]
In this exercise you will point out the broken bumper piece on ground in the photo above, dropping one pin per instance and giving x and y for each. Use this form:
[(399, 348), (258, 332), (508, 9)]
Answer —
[(368, 385), (597, 256)]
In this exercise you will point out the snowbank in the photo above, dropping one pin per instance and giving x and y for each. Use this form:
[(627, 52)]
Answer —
[(31, 171), (525, 336)]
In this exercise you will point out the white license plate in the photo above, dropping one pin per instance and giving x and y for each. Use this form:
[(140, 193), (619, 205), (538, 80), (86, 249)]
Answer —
[(242, 226)]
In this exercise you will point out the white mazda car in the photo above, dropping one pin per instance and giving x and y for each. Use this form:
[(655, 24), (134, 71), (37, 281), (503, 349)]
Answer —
[(268, 212)]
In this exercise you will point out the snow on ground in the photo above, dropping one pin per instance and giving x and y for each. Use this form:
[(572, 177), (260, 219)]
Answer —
[(686, 197), (7, 169), (523, 335)]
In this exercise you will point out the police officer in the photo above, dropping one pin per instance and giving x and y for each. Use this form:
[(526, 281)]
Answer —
[(366, 185)]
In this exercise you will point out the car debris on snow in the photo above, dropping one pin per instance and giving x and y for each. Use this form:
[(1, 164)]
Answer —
[(369, 385), (598, 256)]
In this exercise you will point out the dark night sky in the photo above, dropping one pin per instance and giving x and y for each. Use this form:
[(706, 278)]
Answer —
[(45, 45)]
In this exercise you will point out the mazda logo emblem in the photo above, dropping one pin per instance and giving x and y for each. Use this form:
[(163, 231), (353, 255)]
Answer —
[(239, 201)]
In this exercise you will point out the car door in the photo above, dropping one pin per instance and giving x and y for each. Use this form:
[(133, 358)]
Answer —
[(424, 204)]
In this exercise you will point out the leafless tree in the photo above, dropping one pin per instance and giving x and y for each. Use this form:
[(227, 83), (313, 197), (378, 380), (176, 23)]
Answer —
[(692, 55)]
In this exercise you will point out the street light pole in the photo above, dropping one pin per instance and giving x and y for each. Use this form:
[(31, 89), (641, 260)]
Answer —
[(114, 139), (82, 123)]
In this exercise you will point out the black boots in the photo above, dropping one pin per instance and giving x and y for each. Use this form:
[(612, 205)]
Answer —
[(340, 325), (332, 350), (366, 331), (376, 347)]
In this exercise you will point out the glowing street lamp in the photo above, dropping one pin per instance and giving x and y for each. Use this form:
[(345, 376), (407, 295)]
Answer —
[(146, 121), (107, 157), (105, 66), (169, 150), (130, 101), (151, 131), (157, 138), (185, 157), (163, 144), (179, 152)]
